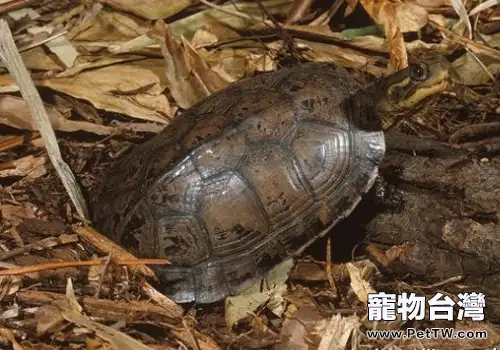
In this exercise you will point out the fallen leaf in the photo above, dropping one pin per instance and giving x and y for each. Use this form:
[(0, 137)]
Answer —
[(70, 310), (30, 167), (37, 59), (152, 9), (11, 312), (433, 3), (476, 69), (459, 8), (385, 13), (411, 17), (134, 89), (360, 286), (9, 285), (14, 113), (48, 319), (304, 323), (483, 6), (210, 34), (309, 271), (239, 307), (7, 334), (7, 84), (187, 26), (344, 57), (60, 46), (340, 332), (189, 76), (108, 26), (16, 214), (293, 336)]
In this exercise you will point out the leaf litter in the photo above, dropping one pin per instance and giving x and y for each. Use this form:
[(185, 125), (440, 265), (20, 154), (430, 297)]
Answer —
[(114, 73)]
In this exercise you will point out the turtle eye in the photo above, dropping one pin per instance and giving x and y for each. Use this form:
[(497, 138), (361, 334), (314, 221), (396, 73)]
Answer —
[(419, 71)]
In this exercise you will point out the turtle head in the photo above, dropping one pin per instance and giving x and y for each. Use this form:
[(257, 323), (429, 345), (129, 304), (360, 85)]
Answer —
[(403, 90)]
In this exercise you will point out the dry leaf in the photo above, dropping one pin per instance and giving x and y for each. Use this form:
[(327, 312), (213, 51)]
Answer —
[(411, 17), (71, 311), (351, 5), (360, 286), (190, 79), (293, 336), (385, 13), (7, 84), (238, 307), (7, 334), (19, 14), (60, 46), (432, 3), (30, 166), (48, 319), (472, 72), (210, 34), (16, 214), (14, 113), (134, 89), (9, 285), (152, 9), (483, 6), (459, 8), (344, 57), (11, 312), (187, 26), (304, 323), (110, 26), (339, 331), (37, 59)]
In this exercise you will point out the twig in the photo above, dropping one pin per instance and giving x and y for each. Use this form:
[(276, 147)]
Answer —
[(15, 5), (109, 310), (325, 17), (440, 283), (107, 246), (101, 275), (328, 265), (473, 46), (61, 265), (14, 63), (235, 13), (45, 243), (42, 41)]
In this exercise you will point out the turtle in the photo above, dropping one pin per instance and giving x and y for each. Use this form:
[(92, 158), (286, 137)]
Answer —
[(254, 173)]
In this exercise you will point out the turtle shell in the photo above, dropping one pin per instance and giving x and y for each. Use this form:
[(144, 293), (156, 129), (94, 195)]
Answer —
[(241, 181)]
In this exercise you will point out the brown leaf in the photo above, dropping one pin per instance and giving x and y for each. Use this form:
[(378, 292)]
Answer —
[(14, 113), (187, 26), (308, 271), (351, 5), (152, 9), (9, 285), (384, 12), (48, 319), (340, 333), (29, 166), (344, 57), (7, 334), (16, 214), (298, 11), (212, 33), (134, 89), (108, 26), (190, 79)]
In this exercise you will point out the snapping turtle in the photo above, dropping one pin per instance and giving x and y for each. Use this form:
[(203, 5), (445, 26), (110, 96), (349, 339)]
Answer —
[(255, 173)]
